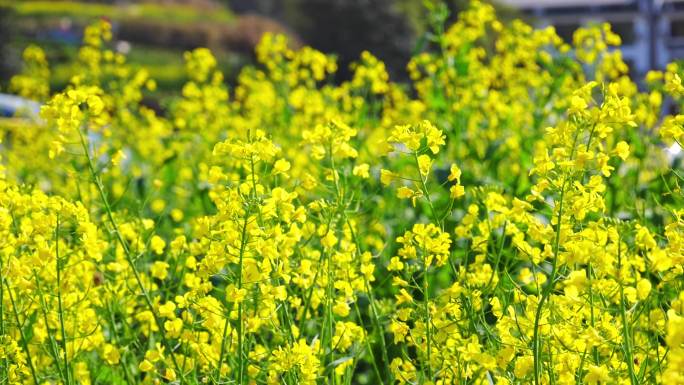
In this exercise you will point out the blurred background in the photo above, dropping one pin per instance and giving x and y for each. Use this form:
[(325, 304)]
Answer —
[(154, 33)]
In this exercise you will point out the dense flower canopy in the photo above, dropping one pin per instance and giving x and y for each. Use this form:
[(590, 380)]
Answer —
[(512, 216)]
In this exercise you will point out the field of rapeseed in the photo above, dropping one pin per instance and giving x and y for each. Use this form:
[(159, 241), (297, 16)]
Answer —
[(512, 216)]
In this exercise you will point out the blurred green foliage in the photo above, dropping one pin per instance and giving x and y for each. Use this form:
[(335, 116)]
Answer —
[(39, 21), (84, 11)]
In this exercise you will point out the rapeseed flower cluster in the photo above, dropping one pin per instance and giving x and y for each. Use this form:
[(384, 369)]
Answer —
[(513, 215)]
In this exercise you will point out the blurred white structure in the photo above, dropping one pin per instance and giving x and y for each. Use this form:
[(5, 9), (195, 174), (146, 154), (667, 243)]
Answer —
[(12, 105), (652, 31)]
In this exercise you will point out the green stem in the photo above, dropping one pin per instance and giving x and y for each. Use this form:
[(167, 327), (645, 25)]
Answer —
[(374, 312), (117, 341), (223, 350), (425, 191), (243, 242), (59, 306), (591, 304), (627, 339), (374, 364), (53, 344), (24, 343), (330, 315), (536, 340), (2, 317), (428, 320), (129, 257)]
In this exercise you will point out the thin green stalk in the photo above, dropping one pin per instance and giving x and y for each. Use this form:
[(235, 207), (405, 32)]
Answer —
[(338, 193), (329, 316), (24, 343), (339, 198), (426, 288), (115, 337), (2, 316), (239, 328), (374, 364), (591, 304), (59, 306), (223, 351), (425, 191), (552, 378), (627, 339), (129, 257), (536, 340), (243, 243), (428, 319), (309, 295), (53, 344), (374, 312)]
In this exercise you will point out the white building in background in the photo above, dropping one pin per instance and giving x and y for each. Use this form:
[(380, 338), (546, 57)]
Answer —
[(652, 31)]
